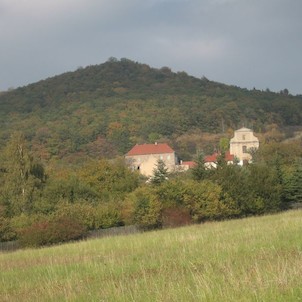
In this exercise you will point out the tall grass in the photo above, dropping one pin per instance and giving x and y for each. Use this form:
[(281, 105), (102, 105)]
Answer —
[(253, 259)]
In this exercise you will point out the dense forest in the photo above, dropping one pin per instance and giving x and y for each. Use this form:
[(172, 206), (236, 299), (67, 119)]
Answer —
[(103, 110), (62, 171)]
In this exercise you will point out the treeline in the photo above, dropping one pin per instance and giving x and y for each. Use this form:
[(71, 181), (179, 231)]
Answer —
[(44, 205), (104, 110)]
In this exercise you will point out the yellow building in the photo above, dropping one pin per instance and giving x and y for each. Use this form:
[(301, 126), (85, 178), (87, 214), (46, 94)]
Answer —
[(144, 158), (243, 141)]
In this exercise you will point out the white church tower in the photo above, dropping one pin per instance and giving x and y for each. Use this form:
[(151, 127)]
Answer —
[(243, 140)]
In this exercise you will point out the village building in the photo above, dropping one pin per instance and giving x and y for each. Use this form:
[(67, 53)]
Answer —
[(210, 161), (242, 143), (186, 165), (144, 158)]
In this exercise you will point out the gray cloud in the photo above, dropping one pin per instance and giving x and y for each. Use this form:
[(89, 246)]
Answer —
[(240, 42)]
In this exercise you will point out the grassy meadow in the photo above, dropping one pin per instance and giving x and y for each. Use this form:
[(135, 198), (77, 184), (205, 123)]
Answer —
[(252, 259)]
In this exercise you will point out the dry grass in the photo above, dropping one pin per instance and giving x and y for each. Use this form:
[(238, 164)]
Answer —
[(254, 259)]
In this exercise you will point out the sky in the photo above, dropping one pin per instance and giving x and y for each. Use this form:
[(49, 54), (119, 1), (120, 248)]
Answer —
[(246, 43)]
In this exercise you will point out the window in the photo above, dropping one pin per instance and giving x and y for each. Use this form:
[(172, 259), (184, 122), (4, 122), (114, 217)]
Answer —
[(244, 150)]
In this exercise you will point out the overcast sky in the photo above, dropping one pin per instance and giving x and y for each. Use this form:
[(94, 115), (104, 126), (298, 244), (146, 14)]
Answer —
[(247, 43)]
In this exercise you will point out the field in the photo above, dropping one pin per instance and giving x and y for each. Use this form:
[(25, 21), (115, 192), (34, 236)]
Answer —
[(252, 259)]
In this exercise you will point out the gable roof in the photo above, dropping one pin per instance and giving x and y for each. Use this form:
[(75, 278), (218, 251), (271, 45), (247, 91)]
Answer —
[(150, 149), (190, 164), (213, 157)]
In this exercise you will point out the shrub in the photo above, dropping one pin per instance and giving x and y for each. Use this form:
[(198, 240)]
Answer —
[(106, 216), (206, 201), (49, 232), (175, 216), (143, 208), (22, 221), (6, 231), (84, 213)]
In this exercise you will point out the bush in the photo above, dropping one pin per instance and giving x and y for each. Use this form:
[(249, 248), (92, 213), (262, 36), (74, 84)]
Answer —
[(6, 231), (107, 216), (60, 229), (175, 216), (206, 201), (84, 213), (22, 221), (143, 208)]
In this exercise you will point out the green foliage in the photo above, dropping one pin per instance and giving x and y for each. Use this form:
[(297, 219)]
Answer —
[(160, 173), (67, 187), (287, 152), (224, 144), (199, 171), (82, 212), (18, 223), (170, 193), (102, 110), (107, 215), (265, 189), (255, 188), (21, 177), (143, 208), (6, 231), (72, 122), (108, 178), (206, 201), (293, 185)]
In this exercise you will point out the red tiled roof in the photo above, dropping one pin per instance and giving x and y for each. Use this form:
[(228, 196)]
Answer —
[(191, 164), (229, 156), (213, 157), (150, 149)]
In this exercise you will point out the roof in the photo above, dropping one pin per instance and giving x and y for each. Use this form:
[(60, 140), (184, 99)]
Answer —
[(150, 149), (213, 157), (243, 129), (190, 164)]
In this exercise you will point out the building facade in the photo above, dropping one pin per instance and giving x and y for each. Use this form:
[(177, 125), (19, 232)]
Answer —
[(210, 161), (242, 143), (144, 158)]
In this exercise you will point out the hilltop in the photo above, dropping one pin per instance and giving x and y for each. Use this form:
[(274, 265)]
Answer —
[(102, 110)]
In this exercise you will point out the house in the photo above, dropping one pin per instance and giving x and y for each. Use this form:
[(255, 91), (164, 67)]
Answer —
[(186, 165), (210, 161), (242, 143), (145, 157)]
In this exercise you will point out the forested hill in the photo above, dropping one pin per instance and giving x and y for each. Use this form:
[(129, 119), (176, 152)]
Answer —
[(103, 110)]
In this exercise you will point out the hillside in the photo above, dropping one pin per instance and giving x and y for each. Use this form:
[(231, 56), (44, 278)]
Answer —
[(252, 259), (102, 110)]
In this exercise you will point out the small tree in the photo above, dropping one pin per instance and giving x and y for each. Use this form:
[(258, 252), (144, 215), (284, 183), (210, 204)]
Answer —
[(21, 176), (160, 173), (293, 185), (199, 171), (143, 208)]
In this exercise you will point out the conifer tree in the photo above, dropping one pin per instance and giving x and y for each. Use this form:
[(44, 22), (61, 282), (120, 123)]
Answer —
[(160, 173), (293, 185), (199, 171)]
